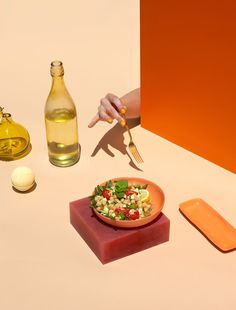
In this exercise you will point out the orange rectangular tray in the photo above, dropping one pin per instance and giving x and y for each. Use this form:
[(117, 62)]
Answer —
[(220, 232)]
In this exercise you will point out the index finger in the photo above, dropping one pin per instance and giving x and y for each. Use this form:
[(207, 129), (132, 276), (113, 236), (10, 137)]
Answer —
[(94, 120)]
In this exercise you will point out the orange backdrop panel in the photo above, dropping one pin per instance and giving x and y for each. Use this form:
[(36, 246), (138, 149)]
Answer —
[(188, 75)]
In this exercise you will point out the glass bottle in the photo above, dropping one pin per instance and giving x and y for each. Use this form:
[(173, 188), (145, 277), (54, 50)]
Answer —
[(61, 121), (14, 138)]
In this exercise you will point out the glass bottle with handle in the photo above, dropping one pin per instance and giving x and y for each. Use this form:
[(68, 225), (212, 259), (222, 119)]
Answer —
[(61, 121)]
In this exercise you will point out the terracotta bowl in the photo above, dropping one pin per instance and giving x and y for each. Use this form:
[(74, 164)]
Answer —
[(157, 199)]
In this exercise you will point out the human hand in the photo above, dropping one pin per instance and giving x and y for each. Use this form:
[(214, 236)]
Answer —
[(110, 108)]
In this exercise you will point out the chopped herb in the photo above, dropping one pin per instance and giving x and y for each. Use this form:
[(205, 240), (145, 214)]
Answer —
[(120, 188), (122, 215), (99, 190), (144, 186), (131, 207), (109, 184), (93, 201)]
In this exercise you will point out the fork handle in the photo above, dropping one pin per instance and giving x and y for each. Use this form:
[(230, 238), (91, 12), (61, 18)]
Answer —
[(127, 127), (128, 130)]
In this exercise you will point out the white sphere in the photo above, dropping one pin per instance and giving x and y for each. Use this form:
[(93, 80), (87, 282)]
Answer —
[(22, 178)]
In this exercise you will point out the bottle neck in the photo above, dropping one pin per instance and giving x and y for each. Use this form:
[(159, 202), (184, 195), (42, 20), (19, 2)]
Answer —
[(57, 73), (58, 82)]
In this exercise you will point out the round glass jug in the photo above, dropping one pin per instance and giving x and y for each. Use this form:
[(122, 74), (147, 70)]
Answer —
[(14, 138)]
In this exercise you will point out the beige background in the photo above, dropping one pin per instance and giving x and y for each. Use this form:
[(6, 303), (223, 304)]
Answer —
[(44, 264)]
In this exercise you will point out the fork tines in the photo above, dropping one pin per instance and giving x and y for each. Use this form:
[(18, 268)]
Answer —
[(133, 149)]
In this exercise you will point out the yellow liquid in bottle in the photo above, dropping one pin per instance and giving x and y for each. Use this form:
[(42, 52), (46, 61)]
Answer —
[(62, 137), (12, 148), (14, 139)]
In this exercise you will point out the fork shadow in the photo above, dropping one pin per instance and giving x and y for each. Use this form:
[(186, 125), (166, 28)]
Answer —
[(115, 138)]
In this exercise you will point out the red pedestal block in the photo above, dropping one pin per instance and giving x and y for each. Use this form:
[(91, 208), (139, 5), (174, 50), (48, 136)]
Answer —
[(111, 243)]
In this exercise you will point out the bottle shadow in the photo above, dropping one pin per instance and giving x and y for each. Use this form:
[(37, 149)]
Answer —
[(115, 138)]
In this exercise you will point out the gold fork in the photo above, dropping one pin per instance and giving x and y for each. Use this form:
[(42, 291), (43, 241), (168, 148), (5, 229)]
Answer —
[(132, 147)]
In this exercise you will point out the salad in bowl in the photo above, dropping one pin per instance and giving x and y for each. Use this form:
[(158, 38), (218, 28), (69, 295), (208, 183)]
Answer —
[(127, 202)]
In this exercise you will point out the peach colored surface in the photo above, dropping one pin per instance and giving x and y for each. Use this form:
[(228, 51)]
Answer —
[(156, 197), (188, 75), (44, 264)]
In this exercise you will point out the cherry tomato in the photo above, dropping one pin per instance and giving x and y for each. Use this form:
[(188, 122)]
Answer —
[(119, 210), (126, 212), (132, 215), (106, 194), (130, 192), (135, 215)]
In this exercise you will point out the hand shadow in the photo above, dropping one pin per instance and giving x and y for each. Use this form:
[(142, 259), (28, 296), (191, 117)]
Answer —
[(115, 138)]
